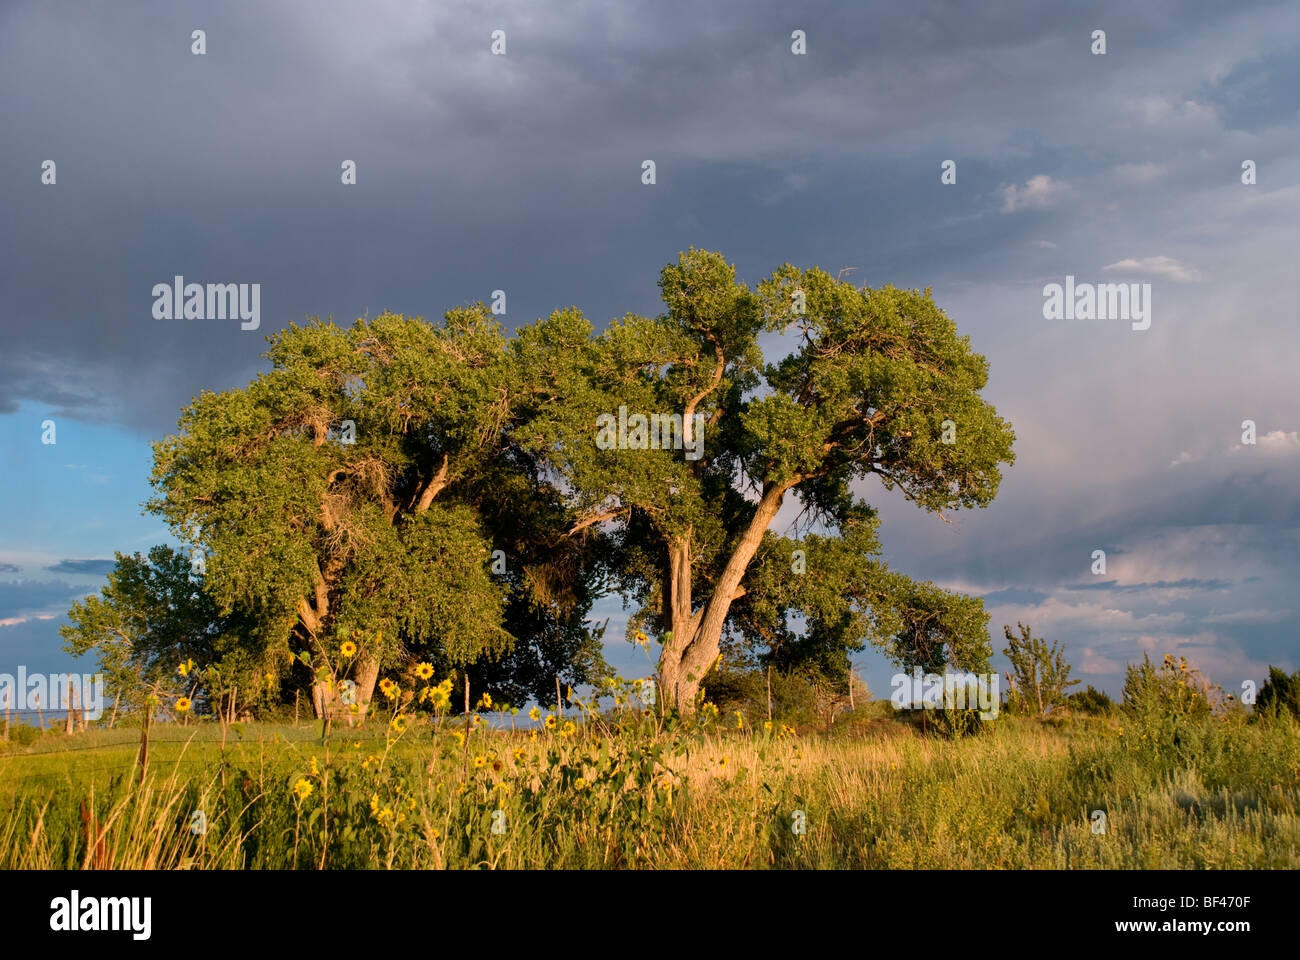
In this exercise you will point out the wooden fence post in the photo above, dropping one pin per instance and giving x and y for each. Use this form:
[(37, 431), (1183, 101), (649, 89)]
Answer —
[(144, 742)]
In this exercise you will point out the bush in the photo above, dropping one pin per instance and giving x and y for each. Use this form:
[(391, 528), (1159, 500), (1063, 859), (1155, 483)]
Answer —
[(1171, 691), (23, 735), (1092, 701), (1279, 695)]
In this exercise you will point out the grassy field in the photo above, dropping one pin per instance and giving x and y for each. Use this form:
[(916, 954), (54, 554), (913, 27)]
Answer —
[(639, 792)]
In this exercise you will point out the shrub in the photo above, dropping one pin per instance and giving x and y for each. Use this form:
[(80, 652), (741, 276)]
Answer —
[(1279, 695), (1092, 701), (1169, 691), (23, 735)]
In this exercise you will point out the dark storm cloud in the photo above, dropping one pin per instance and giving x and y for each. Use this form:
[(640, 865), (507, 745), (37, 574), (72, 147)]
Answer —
[(1187, 583), (522, 173), (30, 598), (90, 567)]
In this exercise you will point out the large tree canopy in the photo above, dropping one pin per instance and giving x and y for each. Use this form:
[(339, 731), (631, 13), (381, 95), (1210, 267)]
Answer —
[(364, 483), (465, 494), (879, 383)]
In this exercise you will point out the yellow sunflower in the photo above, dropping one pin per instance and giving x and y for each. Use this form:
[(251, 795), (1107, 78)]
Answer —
[(348, 650)]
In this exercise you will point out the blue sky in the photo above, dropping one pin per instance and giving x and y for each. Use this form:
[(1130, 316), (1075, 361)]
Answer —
[(522, 173)]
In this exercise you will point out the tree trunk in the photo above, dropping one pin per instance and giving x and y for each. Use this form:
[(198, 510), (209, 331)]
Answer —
[(367, 673), (693, 648)]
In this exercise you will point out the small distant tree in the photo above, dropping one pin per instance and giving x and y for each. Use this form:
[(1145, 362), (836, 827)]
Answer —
[(153, 614), (1040, 676), (1280, 695)]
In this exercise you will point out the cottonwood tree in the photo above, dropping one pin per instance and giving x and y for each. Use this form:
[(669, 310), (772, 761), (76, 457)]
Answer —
[(325, 527), (152, 615), (1040, 676), (866, 391)]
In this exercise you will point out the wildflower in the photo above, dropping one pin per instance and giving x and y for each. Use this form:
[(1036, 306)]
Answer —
[(569, 728), (386, 687), (348, 650), (580, 783), (550, 721), (356, 744), (182, 704), (185, 668), (312, 768), (480, 761), (532, 734), (485, 701), (767, 724), (534, 714), (740, 720), (424, 670), (399, 723), (460, 738), (385, 817), (497, 766), (303, 788), (374, 804), (519, 754)]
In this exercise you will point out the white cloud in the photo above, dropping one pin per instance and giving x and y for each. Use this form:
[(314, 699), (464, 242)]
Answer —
[(1039, 191), (1163, 267), (1045, 244), (1279, 441)]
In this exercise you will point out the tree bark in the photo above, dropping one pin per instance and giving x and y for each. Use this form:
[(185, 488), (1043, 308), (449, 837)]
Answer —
[(697, 637)]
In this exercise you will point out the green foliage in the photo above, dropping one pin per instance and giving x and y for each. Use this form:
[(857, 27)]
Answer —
[(155, 613), (389, 528), (1092, 701), (1280, 695), (867, 390), (23, 735), (1040, 675), (1168, 692)]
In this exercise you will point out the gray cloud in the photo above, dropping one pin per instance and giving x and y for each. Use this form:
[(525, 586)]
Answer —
[(91, 567), (522, 173)]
